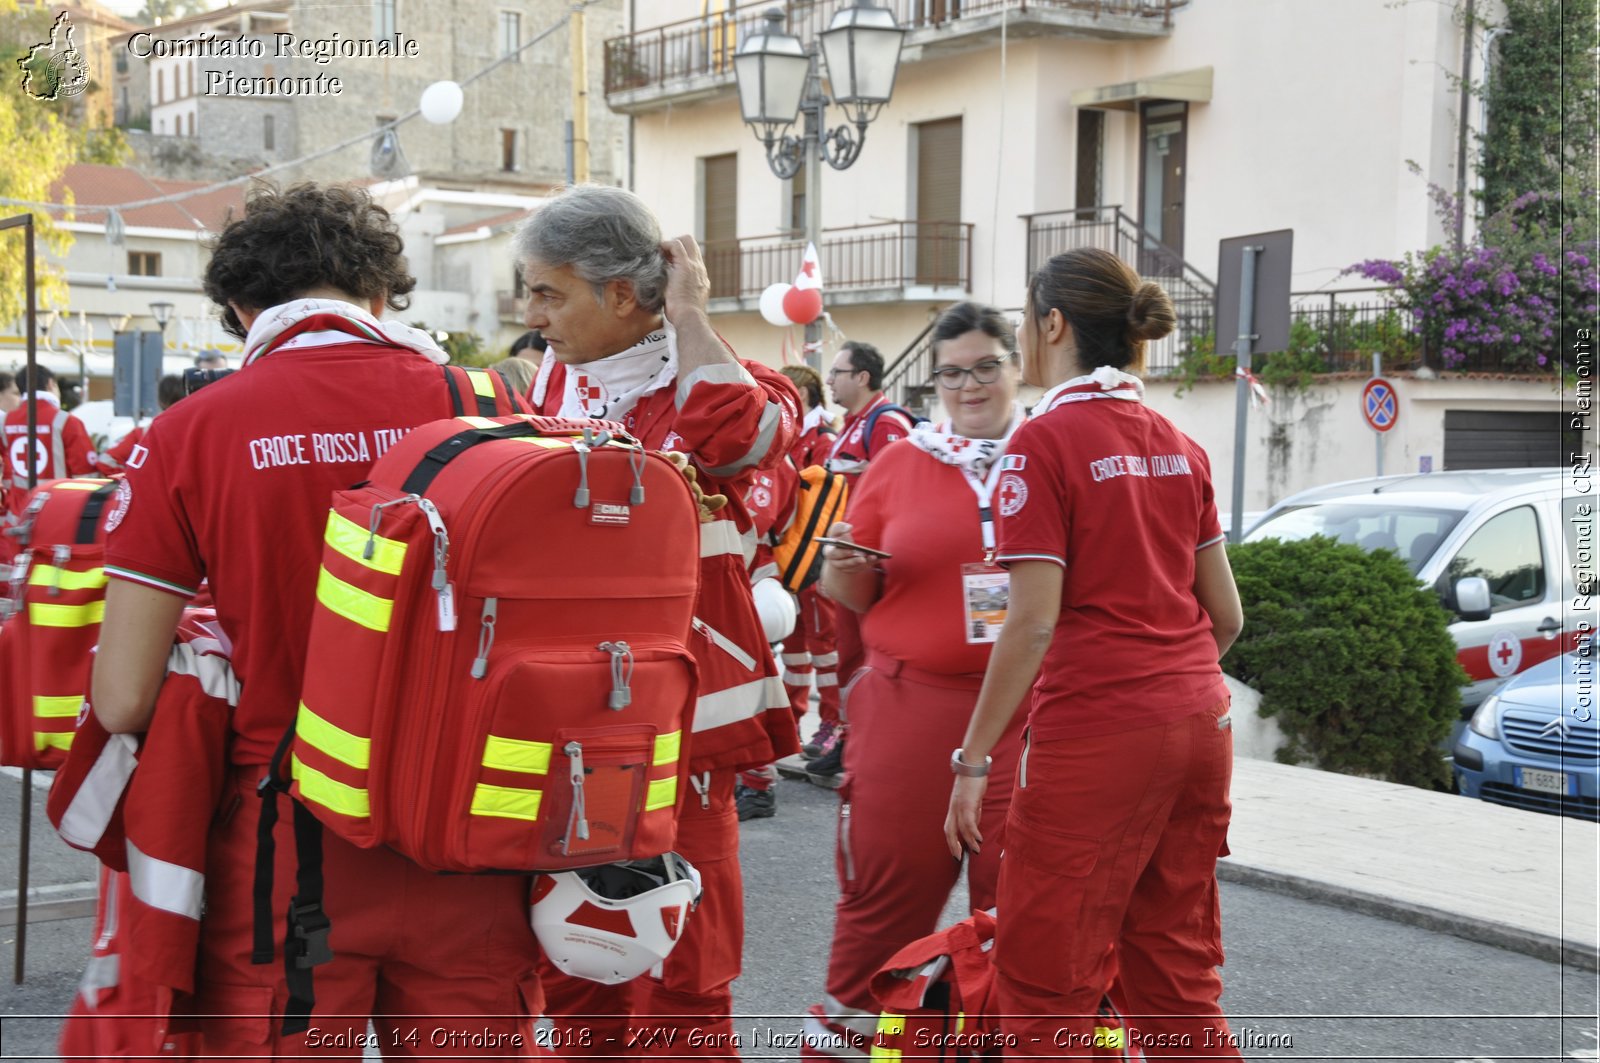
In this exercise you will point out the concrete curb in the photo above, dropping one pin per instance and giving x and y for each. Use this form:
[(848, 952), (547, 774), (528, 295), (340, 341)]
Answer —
[(1484, 931)]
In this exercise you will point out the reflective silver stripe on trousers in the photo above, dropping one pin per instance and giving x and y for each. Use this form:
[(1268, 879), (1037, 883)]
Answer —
[(101, 972), (169, 887), (87, 817), (826, 660)]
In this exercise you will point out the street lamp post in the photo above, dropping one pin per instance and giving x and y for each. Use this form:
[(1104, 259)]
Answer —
[(780, 79), (162, 312)]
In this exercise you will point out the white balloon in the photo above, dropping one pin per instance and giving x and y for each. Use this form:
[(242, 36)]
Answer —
[(772, 304), (441, 102)]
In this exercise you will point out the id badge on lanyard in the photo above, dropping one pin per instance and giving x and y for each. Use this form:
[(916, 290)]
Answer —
[(985, 586)]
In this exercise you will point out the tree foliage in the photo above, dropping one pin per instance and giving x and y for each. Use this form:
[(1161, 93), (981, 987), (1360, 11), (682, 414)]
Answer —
[(1352, 656), (1543, 104), (167, 10), (39, 139)]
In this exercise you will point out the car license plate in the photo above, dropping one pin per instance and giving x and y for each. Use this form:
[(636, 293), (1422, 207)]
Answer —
[(1545, 782)]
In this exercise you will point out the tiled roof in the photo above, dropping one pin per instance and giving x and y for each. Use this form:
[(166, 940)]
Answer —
[(96, 185), (494, 222)]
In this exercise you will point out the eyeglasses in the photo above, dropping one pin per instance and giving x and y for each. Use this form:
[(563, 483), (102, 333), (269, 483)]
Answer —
[(847, 372), (954, 377)]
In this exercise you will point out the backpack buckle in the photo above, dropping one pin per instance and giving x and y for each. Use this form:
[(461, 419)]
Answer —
[(308, 934)]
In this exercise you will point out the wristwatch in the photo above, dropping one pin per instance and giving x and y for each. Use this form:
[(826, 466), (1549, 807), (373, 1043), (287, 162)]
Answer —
[(971, 771)]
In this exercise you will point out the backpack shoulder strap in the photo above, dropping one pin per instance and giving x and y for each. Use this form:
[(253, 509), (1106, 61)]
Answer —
[(484, 389), (872, 422)]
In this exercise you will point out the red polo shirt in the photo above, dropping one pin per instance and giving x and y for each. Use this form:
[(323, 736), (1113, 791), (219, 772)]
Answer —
[(1115, 494), (924, 513), (232, 485)]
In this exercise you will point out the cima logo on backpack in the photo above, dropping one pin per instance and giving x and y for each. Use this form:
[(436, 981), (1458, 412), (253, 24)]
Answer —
[(56, 602), (497, 676)]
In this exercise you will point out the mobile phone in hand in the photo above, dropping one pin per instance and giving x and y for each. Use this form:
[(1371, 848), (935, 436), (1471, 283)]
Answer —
[(845, 545)]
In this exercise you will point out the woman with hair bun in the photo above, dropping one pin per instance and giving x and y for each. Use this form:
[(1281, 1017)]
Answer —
[(1122, 602)]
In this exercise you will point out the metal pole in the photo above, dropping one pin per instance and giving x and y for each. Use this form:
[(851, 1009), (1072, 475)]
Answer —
[(25, 842), (580, 96), (1241, 348), (812, 147), (1377, 440)]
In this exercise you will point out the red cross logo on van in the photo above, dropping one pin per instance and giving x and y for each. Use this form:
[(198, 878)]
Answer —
[(1505, 653)]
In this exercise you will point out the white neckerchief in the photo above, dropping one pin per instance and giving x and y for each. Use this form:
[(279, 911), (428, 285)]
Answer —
[(978, 460), (44, 397), (815, 418), (607, 389), (1103, 383), (355, 325)]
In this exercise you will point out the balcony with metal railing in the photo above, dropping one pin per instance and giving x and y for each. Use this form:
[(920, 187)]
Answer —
[(693, 58), (889, 261)]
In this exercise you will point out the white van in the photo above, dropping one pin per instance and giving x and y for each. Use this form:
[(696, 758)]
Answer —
[(1502, 547)]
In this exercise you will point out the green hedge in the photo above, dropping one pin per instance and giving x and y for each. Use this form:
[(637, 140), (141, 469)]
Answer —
[(1351, 655)]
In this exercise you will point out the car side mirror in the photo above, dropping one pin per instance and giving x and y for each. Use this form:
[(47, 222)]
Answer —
[(1472, 598)]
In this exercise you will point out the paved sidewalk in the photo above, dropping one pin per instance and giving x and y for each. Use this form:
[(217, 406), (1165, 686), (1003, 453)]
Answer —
[(1521, 880), (1502, 876)]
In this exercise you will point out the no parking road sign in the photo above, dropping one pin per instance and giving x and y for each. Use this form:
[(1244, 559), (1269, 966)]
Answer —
[(1380, 404)]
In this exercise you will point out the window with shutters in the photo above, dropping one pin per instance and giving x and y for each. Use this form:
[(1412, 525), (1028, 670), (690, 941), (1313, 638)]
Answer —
[(797, 201), (508, 149), (938, 190), (511, 35), (144, 264), (719, 199)]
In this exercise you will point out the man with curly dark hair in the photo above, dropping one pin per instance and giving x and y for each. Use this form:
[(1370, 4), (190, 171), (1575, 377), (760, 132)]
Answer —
[(231, 487)]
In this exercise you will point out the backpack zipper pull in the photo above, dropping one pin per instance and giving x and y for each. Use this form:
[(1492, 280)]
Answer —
[(377, 518), (480, 665), (621, 674), (580, 498), (702, 786), (441, 558), (60, 555), (636, 460), (578, 821)]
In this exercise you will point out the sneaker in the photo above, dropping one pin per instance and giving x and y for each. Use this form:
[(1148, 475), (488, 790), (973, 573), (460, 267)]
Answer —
[(831, 762), (756, 804), (820, 739)]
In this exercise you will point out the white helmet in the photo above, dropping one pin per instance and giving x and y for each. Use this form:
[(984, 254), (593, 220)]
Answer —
[(776, 607), (613, 923)]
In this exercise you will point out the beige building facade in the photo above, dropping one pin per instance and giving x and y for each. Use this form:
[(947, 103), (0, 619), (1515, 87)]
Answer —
[(1017, 130)]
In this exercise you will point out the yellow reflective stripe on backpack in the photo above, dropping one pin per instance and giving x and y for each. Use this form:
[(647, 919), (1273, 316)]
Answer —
[(514, 754), (79, 485), (42, 614), (479, 422), (548, 442), (352, 540), (1113, 1037), (43, 740), (57, 707), (668, 746), (505, 802), (662, 793), (67, 580), (481, 384), (341, 745), (329, 793), (351, 602)]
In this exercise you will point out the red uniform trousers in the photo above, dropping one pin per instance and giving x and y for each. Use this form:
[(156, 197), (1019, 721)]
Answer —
[(895, 871), (1110, 875), (653, 1015), (113, 1014), (852, 654), (408, 945), (811, 652)]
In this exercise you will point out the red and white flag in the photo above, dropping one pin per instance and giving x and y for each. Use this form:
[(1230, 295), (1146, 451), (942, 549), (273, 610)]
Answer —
[(810, 275)]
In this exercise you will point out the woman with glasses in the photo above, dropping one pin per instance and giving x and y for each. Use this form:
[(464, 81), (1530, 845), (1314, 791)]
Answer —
[(930, 614), (1122, 602)]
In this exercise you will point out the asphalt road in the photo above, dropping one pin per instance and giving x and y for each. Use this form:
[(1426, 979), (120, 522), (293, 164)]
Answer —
[(1304, 981)]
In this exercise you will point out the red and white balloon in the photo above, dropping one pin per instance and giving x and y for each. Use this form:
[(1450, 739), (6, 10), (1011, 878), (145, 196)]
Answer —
[(799, 303)]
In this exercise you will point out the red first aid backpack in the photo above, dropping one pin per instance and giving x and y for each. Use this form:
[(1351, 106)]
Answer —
[(57, 600), (938, 1001), (497, 676)]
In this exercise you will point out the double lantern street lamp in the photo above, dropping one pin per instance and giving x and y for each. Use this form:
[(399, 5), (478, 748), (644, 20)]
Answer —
[(780, 79)]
